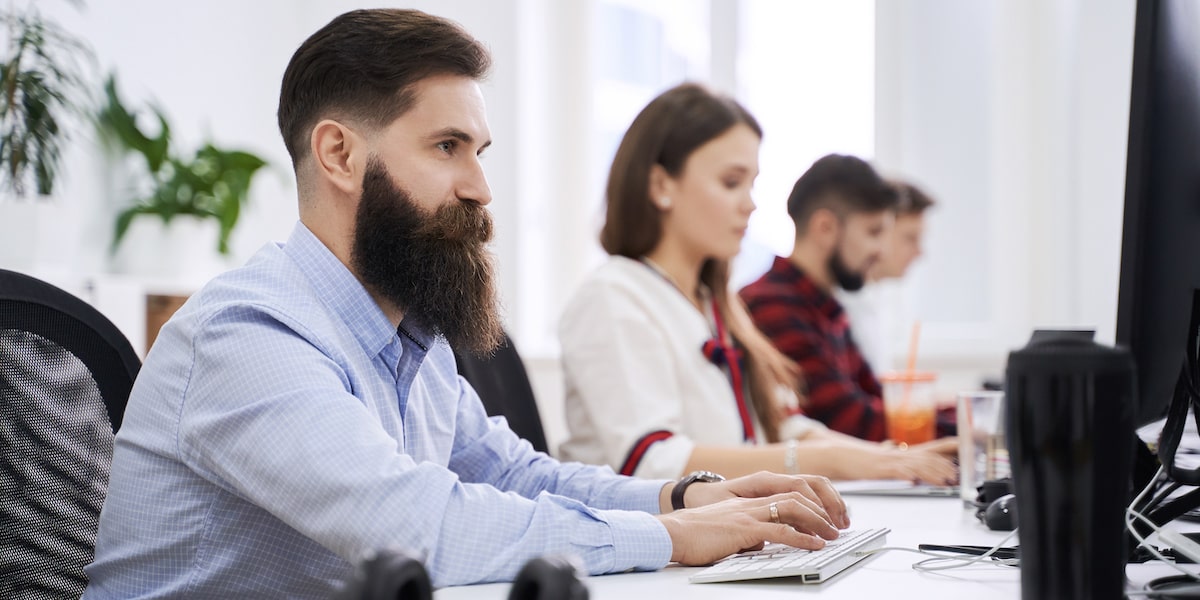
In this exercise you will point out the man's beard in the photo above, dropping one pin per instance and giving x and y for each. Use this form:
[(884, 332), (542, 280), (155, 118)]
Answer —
[(845, 277), (435, 267)]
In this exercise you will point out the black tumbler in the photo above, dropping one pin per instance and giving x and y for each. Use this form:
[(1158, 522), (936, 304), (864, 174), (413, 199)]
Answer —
[(1071, 406)]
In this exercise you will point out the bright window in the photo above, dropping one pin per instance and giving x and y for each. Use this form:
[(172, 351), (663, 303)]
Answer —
[(806, 70)]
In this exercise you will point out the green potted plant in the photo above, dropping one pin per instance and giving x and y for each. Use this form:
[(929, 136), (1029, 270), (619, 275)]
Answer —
[(40, 90), (211, 183)]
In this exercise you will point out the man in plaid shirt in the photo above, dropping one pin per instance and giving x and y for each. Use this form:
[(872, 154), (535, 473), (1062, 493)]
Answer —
[(841, 208)]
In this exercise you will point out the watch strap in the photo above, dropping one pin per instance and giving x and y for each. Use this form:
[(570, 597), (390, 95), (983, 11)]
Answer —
[(681, 487)]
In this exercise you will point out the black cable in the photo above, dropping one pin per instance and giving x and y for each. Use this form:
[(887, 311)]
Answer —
[(1005, 553)]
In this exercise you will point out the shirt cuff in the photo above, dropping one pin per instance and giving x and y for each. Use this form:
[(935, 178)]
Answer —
[(640, 541), (644, 494)]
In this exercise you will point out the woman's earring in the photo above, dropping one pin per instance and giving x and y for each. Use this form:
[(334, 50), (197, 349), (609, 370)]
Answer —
[(664, 202)]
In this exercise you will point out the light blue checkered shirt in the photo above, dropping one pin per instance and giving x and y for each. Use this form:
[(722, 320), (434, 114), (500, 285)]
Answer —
[(281, 429)]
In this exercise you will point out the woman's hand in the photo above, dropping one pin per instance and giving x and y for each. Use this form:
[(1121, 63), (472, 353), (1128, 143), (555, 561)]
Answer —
[(879, 461), (947, 446), (782, 374), (913, 464)]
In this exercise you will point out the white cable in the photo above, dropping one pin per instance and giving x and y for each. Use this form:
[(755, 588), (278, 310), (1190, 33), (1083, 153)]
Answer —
[(1142, 541), (963, 561), (960, 561), (1149, 486), (1130, 515)]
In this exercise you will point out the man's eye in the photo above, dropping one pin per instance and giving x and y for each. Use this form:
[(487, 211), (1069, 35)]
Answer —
[(446, 146)]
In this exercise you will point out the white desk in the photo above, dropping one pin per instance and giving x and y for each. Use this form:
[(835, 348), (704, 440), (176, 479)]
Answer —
[(913, 521), (888, 575)]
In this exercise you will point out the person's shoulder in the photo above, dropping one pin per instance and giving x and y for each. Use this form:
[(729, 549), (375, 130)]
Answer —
[(766, 288), (777, 298), (621, 288), (619, 271), (268, 284), (618, 276)]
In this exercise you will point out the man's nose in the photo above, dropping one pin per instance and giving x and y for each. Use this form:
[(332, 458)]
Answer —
[(474, 186)]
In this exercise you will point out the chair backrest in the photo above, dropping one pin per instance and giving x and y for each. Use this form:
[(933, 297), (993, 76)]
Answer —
[(503, 386), (65, 375)]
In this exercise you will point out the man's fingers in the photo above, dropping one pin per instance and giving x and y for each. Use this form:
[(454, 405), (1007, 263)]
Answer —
[(820, 494), (809, 504), (783, 534), (829, 498), (818, 490), (801, 515)]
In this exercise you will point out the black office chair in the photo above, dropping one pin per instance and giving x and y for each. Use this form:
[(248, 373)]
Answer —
[(503, 386), (65, 375)]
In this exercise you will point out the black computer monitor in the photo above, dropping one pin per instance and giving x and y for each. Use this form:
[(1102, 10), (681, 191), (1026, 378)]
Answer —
[(1160, 250)]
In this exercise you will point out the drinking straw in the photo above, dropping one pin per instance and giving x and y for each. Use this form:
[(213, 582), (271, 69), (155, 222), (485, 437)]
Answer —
[(910, 368)]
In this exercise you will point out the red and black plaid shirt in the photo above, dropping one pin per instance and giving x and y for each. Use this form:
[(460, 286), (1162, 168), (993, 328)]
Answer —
[(810, 326)]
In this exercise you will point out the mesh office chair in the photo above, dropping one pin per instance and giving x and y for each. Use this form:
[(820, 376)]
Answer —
[(65, 375), (503, 386)]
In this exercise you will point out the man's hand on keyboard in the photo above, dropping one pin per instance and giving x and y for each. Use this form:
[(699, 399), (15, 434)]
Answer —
[(764, 483), (705, 534)]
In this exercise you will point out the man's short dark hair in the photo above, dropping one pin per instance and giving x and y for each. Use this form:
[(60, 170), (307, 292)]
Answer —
[(910, 199), (361, 67), (841, 183)]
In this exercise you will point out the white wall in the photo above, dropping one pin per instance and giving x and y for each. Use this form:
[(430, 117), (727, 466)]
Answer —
[(1014, 114)]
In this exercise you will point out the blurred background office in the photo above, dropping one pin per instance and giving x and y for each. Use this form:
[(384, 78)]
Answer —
[(1013, 113)]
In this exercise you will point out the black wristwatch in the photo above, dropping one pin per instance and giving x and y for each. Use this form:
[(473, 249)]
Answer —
[(689, 479)]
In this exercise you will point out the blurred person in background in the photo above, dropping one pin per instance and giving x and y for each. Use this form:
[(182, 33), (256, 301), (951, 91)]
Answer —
[(665, 373)]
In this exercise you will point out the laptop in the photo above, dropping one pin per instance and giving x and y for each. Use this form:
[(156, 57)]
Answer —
[(893, 487), (803, 566)]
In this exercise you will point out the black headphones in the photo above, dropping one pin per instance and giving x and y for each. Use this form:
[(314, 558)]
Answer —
[(389, 575), (548, 578), (397, 575)]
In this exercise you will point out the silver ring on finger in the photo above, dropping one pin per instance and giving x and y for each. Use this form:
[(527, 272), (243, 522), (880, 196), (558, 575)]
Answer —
[(774, 508)]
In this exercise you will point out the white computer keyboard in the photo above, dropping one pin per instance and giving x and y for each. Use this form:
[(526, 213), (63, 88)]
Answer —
[(808, 566)]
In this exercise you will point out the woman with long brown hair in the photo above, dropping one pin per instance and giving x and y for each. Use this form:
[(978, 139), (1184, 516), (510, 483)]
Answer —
[(665, 373)]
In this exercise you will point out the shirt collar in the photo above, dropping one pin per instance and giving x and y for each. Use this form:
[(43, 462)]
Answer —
[(340, 290), (787, 272)]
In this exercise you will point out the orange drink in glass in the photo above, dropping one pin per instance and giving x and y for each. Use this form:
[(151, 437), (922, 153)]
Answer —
[(909, 405)]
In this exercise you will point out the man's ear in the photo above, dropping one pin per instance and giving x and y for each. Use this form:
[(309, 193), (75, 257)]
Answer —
[(823, 227), (662, 185), (339, 155)]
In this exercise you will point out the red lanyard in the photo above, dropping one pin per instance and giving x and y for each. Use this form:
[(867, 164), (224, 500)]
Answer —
[(735, 374), (730, 354)]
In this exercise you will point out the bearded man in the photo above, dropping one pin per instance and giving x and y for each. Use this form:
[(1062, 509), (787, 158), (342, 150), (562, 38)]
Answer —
[(841, 208), (304, 411)]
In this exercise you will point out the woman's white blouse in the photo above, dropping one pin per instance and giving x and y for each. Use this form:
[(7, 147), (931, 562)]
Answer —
[(633, 367)]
